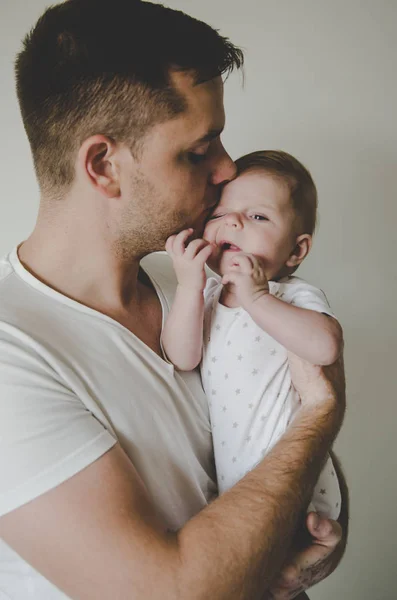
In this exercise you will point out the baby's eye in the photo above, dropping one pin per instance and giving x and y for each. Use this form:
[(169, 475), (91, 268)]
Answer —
[(257, 217), (213, 217)]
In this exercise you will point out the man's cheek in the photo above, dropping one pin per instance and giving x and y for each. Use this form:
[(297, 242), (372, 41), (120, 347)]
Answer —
[(198, 227)]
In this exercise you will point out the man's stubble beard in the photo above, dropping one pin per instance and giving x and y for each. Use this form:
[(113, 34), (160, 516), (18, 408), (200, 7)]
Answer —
[(147, 221)]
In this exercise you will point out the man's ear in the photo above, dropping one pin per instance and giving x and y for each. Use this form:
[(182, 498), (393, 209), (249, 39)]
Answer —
[(301, 249), (98, 161)]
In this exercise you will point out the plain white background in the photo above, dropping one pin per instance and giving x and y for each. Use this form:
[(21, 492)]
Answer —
[(320, 82)]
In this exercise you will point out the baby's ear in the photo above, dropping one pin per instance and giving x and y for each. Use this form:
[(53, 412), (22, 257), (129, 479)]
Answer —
[(301, 249)]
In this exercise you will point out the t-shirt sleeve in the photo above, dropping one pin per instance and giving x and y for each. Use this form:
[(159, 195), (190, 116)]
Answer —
[(212, 287), (303, 295), (47, 435)]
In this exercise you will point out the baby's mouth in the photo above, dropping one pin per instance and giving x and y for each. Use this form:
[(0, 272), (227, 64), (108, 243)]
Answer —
[(228, 247)]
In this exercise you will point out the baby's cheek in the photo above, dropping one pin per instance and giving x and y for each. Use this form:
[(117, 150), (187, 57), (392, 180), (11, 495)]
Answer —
[(209, 233)]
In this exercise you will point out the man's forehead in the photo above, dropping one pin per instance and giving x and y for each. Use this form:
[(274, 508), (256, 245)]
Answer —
[(204, 103), (185, 81)]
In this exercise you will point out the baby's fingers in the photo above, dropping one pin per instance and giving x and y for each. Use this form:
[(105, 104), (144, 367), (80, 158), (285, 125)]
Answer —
[(169, 244), (247, 262), (204, 254), (233, 263), (231, 277), (179, 243), (242, 262), (194, 248)]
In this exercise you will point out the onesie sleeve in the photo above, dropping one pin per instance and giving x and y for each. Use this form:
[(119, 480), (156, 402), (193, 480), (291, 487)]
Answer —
[(47, 435), (327, 498), (298, 292)]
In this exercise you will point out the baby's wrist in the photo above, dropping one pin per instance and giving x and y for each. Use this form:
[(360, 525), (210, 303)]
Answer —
[(259, 297), (190, 289)]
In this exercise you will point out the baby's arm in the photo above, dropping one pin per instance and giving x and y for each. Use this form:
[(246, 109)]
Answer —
[(311, 335), (182, 336)]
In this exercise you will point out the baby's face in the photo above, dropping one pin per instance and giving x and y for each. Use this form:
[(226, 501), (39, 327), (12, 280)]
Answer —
[(254, 215)]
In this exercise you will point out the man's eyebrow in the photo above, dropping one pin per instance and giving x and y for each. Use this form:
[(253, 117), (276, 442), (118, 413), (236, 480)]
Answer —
[(209, 136)]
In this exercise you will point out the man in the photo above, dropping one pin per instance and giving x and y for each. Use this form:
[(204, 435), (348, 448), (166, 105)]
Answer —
[(106, 460)]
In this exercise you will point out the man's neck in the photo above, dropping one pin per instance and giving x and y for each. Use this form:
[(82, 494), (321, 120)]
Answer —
[(82, 265)]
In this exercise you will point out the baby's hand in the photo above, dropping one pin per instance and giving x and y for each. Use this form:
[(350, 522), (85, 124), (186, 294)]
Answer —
[(189, 261), (246, 273)]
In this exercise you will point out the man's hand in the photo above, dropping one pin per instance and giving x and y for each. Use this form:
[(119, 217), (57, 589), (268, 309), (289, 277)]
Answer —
[(246, 273), (318, 383), (312, 564), (189, 261)]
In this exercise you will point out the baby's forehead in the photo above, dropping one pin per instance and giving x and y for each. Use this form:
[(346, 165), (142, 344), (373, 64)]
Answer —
[(256, 187)]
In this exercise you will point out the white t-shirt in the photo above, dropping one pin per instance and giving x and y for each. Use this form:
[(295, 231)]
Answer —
[(247, 380), (73, 382)]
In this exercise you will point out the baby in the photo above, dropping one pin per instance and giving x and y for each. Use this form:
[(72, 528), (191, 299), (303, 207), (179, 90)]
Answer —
[(242, 326)]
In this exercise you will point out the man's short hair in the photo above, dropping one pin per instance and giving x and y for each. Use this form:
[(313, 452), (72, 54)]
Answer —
[(303, 192), (98, 67)]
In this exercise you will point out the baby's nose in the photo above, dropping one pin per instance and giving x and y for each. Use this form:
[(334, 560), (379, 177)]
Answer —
[(233, 220)]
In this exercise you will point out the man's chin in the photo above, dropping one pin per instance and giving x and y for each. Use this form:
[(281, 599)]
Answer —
[(199, 224), (198, 228)]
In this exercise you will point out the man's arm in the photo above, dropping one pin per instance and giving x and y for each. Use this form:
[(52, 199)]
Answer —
[(328, 540), (97, 535), (319, 559)]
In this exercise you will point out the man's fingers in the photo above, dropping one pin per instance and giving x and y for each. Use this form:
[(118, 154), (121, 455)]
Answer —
[(311, 564), (324, 531), (282, 594), (308, 566)]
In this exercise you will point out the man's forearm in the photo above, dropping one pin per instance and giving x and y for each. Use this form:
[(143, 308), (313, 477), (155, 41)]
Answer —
[(231, 550), (237, 545)]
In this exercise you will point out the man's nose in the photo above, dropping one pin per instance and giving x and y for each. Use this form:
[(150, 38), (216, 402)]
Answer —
[(224, 169)]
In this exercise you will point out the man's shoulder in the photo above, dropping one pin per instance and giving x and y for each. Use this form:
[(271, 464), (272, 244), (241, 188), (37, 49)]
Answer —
[(158, 266), (9, 286), (159, 263), (6, 268), (26, 314)]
